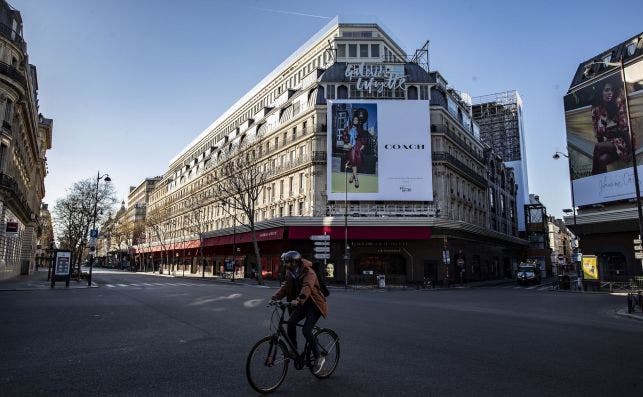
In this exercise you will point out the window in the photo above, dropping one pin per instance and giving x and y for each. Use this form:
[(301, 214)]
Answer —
[(285, 136), (276, 142), (8, 111), (352, 50), (330, 91), (363, 50), (281, 189), (341, 50), (294, 133), (301, 182), (301, 208), (375, 50), (281, 211), (290, 185), (342, 92), (303, 127)]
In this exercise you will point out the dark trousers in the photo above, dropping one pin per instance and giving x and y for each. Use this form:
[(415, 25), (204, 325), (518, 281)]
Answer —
[(310, 312)]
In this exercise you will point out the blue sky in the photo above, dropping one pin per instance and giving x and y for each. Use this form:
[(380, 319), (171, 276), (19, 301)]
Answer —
[(130, 83)]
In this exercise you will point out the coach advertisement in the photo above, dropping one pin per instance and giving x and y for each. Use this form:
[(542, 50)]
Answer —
[(600, 147), (379, 150)]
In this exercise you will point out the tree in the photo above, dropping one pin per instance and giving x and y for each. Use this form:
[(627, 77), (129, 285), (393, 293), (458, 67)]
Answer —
[(240, 181), (196, 222), (73, 214), (160, 227)]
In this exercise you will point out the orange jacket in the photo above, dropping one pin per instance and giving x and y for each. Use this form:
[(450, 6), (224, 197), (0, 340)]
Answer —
[(309, 288)]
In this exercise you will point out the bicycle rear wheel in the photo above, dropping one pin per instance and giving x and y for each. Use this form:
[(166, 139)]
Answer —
[(328, 345), (267, 365)]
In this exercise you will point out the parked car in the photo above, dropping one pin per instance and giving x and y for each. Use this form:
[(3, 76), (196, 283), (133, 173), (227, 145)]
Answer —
[(527, 274)]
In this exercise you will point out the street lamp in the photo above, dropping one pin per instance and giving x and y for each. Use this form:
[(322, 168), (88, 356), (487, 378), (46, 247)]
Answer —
[(588, 72), (556, 156), (347, 254), (95, 214)]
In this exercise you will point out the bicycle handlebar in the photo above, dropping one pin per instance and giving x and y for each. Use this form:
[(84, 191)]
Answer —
[(280, 304)]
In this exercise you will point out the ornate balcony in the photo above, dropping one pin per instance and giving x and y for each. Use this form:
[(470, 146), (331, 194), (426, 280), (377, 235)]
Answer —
[(13, 73)]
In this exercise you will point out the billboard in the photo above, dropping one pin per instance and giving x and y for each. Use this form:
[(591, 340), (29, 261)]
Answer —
[(598, 140), (379, 150)]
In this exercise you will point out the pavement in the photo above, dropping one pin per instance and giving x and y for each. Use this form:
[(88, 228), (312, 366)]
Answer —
[(38, 280)]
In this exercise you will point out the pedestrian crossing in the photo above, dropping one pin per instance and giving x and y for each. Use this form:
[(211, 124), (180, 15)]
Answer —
[(154, 285)]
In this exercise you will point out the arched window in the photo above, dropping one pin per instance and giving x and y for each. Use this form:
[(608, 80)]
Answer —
[(412, 92), (342, 92)]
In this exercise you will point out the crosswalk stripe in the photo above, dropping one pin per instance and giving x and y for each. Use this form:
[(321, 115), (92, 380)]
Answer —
[(149, 285), (110, 286), (122, 285)]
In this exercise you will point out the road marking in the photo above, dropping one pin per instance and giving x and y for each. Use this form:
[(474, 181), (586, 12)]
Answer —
[(110, 286), (122, 285), (149, 285), (532, 287)]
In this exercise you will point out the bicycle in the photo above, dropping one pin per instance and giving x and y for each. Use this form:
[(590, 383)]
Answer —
[(268, 360)]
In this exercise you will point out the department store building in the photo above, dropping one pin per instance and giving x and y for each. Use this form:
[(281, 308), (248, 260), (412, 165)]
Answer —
[(426, 198)]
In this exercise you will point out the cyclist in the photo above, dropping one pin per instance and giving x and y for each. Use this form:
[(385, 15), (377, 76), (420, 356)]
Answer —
[(302, 289)]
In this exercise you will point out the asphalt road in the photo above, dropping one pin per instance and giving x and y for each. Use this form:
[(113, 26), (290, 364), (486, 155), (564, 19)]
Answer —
[(145, 335)]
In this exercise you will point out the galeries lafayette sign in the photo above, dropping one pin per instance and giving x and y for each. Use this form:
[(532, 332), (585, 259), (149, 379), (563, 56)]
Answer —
[(376, 77)]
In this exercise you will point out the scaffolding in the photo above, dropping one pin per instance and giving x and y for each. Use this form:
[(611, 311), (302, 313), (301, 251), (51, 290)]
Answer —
[(499, 117)]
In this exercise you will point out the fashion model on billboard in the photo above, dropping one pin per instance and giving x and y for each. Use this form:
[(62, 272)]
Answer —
[(609, 119), (356, 138), (354, 148)]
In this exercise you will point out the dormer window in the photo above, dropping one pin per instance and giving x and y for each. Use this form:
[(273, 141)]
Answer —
[(631, 48)]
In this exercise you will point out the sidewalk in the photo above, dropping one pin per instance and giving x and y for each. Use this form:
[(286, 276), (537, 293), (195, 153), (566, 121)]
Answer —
[(37, 280)]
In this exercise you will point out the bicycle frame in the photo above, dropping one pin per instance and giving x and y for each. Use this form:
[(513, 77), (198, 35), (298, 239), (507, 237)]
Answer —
[(282, 334)]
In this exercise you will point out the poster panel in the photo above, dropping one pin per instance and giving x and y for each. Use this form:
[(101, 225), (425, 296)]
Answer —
[(379, 150), (598, 138), (590, 268), (62, 264)]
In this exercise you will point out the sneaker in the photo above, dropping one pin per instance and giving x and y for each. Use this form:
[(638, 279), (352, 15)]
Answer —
[(319, 364)]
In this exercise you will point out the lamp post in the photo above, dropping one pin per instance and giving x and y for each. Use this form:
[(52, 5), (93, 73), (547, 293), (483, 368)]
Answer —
[(347, 254), (95, 214), (556, 156), (234, 246), (588, 72)]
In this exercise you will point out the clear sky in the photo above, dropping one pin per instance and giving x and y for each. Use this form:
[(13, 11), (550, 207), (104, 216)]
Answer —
[(130, 83)]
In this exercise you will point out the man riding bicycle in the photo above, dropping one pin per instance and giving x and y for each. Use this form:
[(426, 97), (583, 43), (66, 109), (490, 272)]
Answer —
[(301, 288)]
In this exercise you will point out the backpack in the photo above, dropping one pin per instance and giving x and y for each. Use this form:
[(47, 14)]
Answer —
[(322, 280)]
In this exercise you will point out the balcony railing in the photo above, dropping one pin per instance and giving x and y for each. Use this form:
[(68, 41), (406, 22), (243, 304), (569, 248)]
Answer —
[(383, 210), (13, 74), (462, 167), (441, 128), (13, 36), (9, 184)]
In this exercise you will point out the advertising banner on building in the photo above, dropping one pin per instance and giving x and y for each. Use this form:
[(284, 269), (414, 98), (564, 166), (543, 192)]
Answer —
[(379, 150), (598, 139)]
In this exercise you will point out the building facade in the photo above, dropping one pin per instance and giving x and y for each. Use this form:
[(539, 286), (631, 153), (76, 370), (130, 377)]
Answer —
[(25, 136), (500, 117), (604, 109), (296, 126)]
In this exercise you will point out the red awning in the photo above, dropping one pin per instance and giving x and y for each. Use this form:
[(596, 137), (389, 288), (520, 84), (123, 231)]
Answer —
[(246, 237), (362, 232)]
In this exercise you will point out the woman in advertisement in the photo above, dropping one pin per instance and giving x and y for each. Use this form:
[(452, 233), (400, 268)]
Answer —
[(356, 138), (609, 119)]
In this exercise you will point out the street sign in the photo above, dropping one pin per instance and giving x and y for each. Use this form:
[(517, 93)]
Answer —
[(322, 243), (320, 237), (322, 256), (638, 241), (322, 249), (638, 255), (93, 233), (12, 227)]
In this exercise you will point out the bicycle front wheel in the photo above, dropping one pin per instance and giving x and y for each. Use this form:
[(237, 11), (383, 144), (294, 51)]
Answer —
[(328, 345), (267, 365)]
